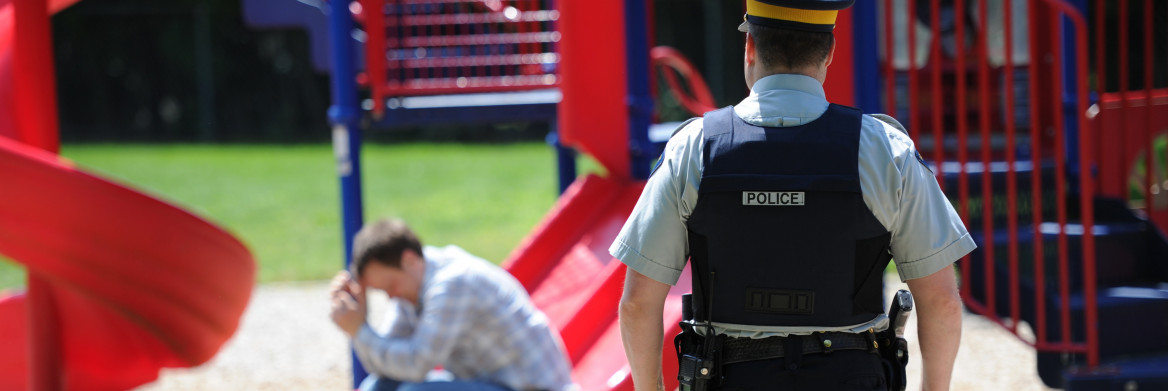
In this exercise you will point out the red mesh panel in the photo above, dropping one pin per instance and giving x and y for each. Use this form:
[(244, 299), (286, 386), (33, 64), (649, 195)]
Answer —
[(426, 47)]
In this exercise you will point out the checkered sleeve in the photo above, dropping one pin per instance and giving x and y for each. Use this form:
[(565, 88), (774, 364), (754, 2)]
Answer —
[(442, 321)]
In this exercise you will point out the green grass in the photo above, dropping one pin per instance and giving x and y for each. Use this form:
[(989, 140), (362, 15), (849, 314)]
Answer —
[(11, 274), (282, 201)]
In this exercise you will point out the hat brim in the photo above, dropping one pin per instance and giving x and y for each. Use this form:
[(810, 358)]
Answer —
[(784, 24)]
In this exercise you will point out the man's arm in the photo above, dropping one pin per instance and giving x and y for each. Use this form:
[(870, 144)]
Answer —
[(445, 320), (938, 308), (641, 324)]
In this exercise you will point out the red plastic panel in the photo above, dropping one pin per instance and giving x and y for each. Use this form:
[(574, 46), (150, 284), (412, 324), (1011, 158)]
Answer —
[(13, 338), (7, 95), (593, 115), (1127, 127), (135, 284), (565, 261), (840, 85), (32, 76), (565, 265)]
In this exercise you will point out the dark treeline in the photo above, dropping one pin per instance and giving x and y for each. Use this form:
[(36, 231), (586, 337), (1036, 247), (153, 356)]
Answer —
[(193, 71), (183, 70)]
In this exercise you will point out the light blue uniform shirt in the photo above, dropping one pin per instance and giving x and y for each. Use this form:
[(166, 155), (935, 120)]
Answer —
[(927, 234)]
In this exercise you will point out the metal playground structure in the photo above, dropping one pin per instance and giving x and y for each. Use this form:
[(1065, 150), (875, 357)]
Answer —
[(1048, 138), (1044, 121)]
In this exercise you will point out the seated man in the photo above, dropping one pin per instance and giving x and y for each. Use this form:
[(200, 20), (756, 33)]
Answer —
[(453, 310)]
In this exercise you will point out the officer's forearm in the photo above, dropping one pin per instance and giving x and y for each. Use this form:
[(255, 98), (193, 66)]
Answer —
[(938, 308), (641, 323), (939, 330), (642, 334)]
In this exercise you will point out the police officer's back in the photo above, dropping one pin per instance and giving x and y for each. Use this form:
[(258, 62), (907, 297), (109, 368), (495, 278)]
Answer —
[(789, 208)]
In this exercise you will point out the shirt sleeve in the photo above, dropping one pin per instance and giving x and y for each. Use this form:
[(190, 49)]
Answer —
[(400, 322), (927, 233), (654, 239), (444, 318)]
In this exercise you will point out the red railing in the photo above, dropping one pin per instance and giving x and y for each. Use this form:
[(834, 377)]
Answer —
[(696, 99), (985, 50), (429, 47)]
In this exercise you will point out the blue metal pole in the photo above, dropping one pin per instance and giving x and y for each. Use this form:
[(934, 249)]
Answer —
[(640, 101), (565, 159), (345, 116), (867, 64), (1070, 96)]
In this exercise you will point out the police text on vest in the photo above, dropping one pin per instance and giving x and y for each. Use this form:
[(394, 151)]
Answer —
[(772, 198)]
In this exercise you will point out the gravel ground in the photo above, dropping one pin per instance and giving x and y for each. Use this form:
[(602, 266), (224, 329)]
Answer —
[(990, 358), (286, 342)]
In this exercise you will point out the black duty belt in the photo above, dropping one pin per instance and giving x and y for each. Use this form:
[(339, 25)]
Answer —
[(746, 349)]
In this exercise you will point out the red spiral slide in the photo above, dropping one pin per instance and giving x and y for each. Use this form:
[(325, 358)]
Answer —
[(120, 284)]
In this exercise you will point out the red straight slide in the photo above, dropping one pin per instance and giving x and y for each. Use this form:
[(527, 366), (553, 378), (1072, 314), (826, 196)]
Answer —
[(565, 265), (130, 284)]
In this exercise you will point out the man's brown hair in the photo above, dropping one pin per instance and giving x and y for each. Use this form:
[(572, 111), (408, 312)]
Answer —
[(383, 242), (792, 49)]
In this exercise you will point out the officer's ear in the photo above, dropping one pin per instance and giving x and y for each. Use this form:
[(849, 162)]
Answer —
[(830, 54), (751, 56)]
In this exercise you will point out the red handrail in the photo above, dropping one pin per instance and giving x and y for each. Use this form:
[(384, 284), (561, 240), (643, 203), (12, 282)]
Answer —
[(1060, 180), (1011, 175), (1124, 76), (1086, 180), (987, 191), (1086, 184), (914, 122), (962, 139), (1150, 136), (1046, 110), (889, 58), (1036, 181), (938, 107), (699, 100)]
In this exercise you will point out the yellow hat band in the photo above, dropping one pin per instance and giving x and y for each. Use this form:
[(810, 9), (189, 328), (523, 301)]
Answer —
[(819, 18)]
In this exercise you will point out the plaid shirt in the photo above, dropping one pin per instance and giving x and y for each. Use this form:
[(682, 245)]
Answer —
[(475, 321)]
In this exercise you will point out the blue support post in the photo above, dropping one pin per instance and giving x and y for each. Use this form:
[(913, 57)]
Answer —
[(640, 100), (867, 56), (565, 159), (1070, 96), (345, 116)]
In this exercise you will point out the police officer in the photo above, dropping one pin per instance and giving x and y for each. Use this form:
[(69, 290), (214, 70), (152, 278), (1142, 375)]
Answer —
[(789, 208)]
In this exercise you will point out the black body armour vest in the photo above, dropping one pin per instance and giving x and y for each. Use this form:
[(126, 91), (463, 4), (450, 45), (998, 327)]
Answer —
[(780, 235)]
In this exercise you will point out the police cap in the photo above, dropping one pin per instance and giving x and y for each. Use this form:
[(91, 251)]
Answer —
[(806, 15)]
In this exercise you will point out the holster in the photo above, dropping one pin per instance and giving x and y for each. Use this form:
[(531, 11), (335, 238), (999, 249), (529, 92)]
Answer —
[(894, 352)]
